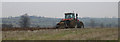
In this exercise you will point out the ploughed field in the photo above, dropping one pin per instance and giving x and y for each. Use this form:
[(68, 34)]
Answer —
[(60, 34)]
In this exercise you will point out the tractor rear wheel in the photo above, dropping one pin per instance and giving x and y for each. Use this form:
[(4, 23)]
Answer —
[(78, 24)]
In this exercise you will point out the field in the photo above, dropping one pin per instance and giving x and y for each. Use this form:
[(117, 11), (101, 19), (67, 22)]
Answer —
[(62, 34), (0, 35)]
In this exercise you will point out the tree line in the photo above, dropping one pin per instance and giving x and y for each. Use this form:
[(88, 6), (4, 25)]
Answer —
[(25, 22)]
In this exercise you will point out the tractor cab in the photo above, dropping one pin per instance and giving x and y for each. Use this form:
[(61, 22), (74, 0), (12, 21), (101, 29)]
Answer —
[(69, 16)]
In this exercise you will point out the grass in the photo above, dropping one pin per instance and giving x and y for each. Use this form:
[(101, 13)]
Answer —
[(0, 35), (63, 34)]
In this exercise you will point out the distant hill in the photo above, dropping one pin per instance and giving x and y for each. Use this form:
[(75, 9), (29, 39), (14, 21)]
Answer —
[(51, 22)]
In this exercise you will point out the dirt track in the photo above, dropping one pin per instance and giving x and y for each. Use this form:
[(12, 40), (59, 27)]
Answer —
[(63, 34)]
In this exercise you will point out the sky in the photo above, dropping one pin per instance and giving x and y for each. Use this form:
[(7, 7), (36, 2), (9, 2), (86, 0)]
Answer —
[(57, 9), (99, 8), (60, 0)]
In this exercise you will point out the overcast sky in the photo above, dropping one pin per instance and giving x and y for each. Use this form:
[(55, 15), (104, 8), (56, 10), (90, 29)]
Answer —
[(57, 9), (59, 0)]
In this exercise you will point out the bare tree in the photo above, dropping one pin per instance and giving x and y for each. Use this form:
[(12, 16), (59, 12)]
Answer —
[(24, 21)]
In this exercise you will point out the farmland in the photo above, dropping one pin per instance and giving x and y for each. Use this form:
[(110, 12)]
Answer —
[(62, 34), (0, 35)]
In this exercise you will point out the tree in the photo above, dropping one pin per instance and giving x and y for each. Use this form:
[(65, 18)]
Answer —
[(24, 21), (7, 26), (109, 25), (102, 25), (92, 23)]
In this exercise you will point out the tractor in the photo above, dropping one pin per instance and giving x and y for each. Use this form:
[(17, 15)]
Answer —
[(70, 21)]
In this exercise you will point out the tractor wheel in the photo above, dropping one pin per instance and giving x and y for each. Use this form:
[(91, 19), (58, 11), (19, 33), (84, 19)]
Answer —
[(61, 25), (78, 25), (81, 25), (73, 24), (57, 26)]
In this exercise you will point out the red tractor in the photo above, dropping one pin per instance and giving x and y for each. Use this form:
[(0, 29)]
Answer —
[(70, 21)]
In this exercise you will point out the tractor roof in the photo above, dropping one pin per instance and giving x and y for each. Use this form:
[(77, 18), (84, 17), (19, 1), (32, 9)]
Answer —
[(68, 13)]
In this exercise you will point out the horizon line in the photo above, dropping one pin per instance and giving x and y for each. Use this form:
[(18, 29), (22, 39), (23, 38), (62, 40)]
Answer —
[(60, 17)]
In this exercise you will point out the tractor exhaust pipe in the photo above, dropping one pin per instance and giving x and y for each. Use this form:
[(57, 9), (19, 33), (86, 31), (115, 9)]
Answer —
[(76, 16)]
